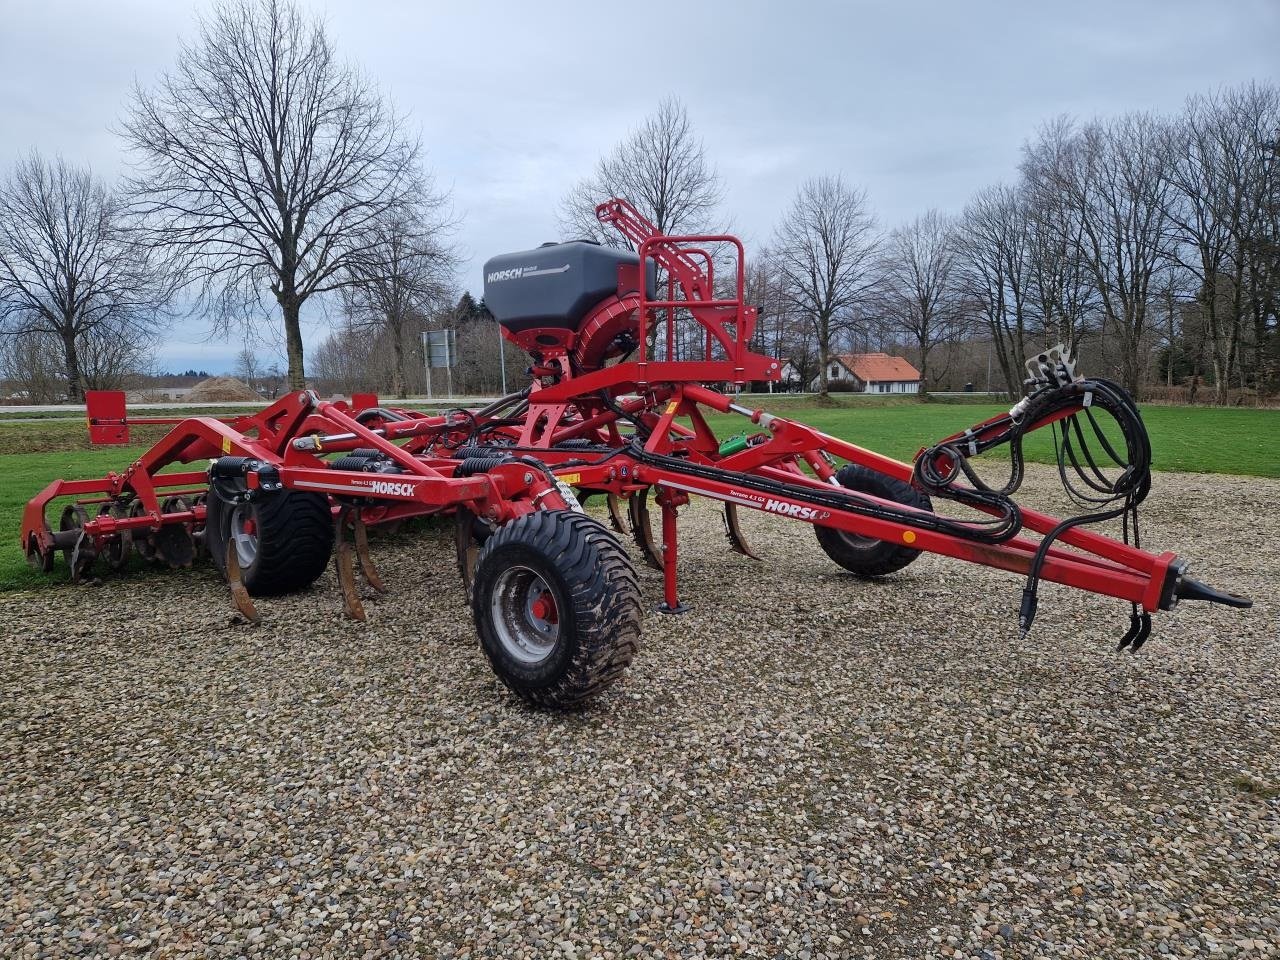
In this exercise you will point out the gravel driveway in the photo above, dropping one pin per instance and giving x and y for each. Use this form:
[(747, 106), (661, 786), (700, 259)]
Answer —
[(803, 766)]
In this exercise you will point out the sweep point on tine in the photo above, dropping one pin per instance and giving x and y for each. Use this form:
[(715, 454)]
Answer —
[(615, 513), (733, 531), (345, 569), (642, 528), (239, 594), (362, 553)]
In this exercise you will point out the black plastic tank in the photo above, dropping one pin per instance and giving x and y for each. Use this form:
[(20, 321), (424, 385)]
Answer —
[(555, 285)]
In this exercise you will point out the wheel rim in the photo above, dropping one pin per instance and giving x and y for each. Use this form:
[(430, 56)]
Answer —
[(244, 534), (858, 542), (525, 615)]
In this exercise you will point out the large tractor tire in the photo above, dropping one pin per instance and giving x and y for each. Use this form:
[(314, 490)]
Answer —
[(867, 556), (283, 541), (556, 603)]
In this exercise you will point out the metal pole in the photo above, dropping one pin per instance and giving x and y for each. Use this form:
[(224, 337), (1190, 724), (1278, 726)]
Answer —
[(502, 357), (426, 354), (448, 359)]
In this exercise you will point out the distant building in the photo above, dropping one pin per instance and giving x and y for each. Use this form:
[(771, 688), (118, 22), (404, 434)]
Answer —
[(788, 379), (874, 373)]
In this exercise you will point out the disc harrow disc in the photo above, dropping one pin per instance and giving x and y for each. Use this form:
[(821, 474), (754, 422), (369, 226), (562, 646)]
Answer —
[(120, 545), (173, 541), (81, 551)]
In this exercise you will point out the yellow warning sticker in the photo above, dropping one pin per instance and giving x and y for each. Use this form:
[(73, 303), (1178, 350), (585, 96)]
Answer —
[(570, 478), (672, 406), (226, 444)]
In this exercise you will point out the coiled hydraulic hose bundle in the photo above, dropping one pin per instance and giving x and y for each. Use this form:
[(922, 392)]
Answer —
[(1084, 454)]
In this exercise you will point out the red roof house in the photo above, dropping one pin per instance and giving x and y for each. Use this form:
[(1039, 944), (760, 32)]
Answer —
[(875, 372)]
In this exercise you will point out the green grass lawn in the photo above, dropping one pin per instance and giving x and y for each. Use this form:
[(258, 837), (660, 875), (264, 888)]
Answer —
[(1188, 439), (1183, 439)]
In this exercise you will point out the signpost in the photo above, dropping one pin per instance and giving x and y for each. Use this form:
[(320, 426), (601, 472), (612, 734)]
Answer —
[(440, 349)]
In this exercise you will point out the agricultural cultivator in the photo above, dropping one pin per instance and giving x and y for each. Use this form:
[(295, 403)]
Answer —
[(611, 411)]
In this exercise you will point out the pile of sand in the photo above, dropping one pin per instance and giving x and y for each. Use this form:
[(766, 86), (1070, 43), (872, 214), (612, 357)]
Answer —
[(221, 390)]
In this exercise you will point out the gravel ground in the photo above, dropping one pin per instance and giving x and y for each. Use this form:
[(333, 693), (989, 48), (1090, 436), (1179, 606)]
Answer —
[(803, 766)]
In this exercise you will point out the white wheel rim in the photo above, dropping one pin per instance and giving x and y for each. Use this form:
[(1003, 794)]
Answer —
[(527, 631), (246, 541)]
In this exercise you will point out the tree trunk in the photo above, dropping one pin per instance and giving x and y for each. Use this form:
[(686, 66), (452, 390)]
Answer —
[(824, 355), (75, 389), (398, 378), (291, 308)]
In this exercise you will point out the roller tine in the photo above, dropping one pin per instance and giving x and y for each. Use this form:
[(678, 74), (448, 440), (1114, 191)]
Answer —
[(615, 513), (642, 528), (239, 595), (366, 561), (733, 530), (345, 570)]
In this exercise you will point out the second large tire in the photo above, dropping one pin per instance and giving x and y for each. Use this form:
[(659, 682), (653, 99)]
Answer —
[(556, 603), (867, 556), (290, 543)]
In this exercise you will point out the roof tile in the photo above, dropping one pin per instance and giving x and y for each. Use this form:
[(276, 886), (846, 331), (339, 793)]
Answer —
[(877, 367)]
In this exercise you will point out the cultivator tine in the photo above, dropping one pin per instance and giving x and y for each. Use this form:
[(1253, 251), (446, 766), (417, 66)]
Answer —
[(642, 528), (615, 513), (345, 569), (733, 530), (243, 602), (362, 553)]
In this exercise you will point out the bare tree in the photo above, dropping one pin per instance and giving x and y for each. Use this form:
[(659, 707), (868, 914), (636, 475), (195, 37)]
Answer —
[(992, 245), (1220, 171), (826, 247), (918, 292), (1060, 286), (775, 317), (248, 368), (69, 267), (661, 168), (32, 367), (1114, 177), (342, 362), (113, 357), (408, 274), (263, 160)]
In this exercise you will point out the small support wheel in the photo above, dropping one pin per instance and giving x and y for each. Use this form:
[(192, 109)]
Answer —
[(557, 606), (867, 556), (283, 541)]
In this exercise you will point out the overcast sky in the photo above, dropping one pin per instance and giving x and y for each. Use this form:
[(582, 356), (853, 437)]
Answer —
[(920, 103)]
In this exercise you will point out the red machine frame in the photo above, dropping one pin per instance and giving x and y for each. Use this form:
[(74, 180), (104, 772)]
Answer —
[(602, 422)]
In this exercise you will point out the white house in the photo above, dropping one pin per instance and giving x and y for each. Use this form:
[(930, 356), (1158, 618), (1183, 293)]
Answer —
[(874, 373)]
